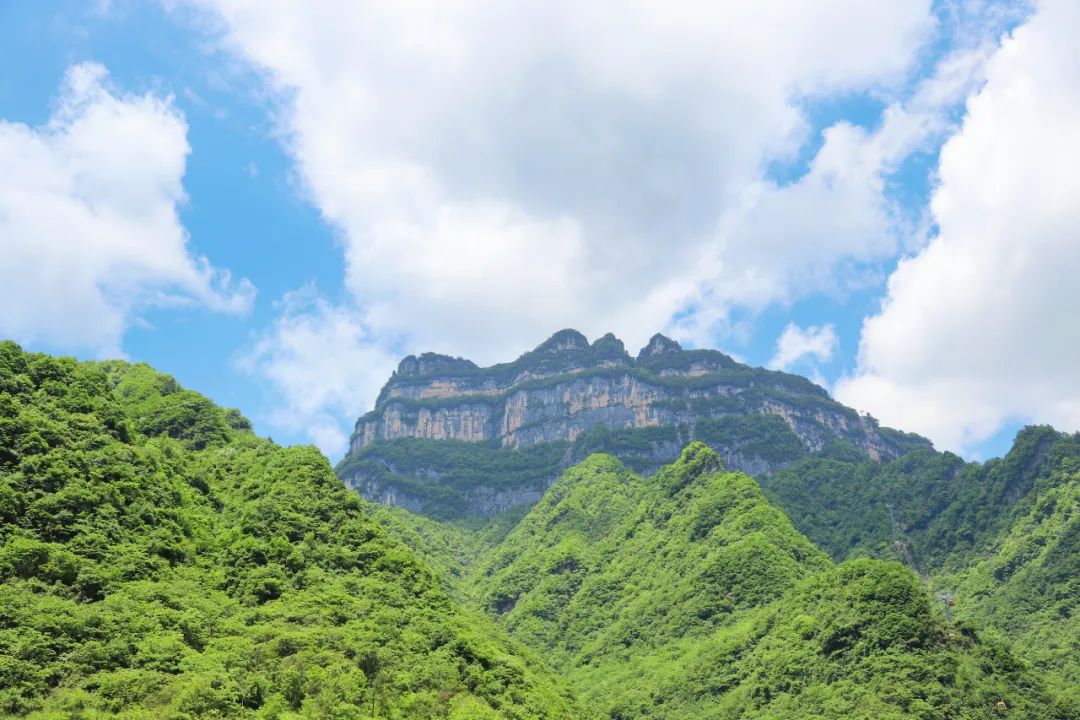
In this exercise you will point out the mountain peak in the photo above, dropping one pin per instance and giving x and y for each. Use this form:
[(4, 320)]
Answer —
[(562, 341), (659, 344), (696, 460), (610, 349)]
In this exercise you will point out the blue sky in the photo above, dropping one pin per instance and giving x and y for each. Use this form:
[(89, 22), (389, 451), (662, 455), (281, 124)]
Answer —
[(303, 195), (243, 208)]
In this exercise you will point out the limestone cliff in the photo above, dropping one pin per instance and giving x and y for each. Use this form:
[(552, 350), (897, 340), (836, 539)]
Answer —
[(586, 397)]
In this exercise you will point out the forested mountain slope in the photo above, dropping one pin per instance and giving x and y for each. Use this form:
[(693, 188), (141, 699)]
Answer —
[(610, 559), (686, 595), (1002, 537), (1025, 582), (453, 440), (948, 508), (160, 561)]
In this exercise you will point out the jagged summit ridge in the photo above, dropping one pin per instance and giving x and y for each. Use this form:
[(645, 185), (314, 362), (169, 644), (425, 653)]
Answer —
[(531, 399), (567, 348), (577, 397), (567, 386), (566, 351)]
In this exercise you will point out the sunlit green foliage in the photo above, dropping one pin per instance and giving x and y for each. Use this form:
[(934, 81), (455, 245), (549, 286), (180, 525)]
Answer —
[(1026, 583), (948, 507), (699, 541), (686, 595), (858, 641), (1002, 536), (160, 561), (450, 548)]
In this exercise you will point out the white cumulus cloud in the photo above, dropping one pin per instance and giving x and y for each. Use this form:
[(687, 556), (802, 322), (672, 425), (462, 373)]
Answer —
[(795, 343), (979, 328), (503, 170), (320, 360), (498, 171), (89, 230)]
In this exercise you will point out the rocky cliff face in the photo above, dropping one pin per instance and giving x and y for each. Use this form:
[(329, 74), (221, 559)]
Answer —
[(597, 397), (482, 500)]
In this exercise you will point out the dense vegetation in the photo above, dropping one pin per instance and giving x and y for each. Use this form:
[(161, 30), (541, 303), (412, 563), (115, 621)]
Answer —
[(687, 595), (1026, 581), (699, 541), (443, 478), (1000, 535), (160, 561), (950, 510), (1003, 536)]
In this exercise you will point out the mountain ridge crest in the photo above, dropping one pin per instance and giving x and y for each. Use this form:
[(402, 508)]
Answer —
[(575, 397)]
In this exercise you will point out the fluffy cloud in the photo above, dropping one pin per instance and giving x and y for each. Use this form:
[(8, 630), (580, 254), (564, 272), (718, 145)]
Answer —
[(977, 329), (795, 343), (500, 170), (88, 220), (320, 359)]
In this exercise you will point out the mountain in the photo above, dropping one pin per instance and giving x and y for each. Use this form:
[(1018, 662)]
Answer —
[(687, 595), (1022, 577), (160, 561), (997, 536), (451, 439), (610, 567), (1002, 538)]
